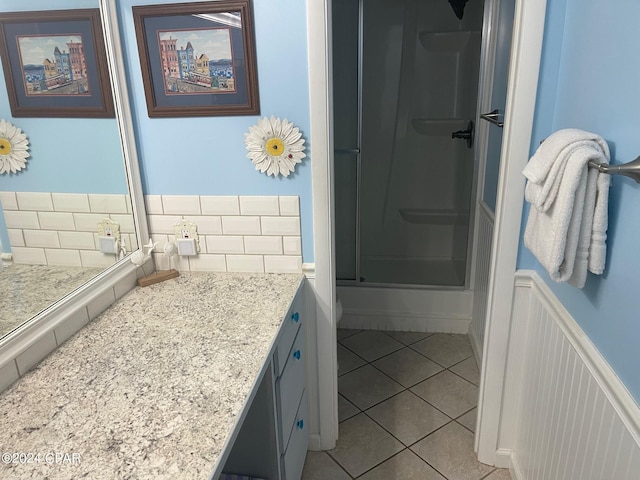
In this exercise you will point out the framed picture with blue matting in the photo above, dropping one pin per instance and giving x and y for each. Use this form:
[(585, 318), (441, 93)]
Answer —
[(198, 59), (55, 64)]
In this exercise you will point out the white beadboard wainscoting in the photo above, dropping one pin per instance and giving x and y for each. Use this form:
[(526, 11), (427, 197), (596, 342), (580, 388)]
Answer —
[(566, 415), (484, 238)]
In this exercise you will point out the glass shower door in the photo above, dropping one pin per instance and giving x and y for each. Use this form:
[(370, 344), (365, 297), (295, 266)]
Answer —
[(346, 80)]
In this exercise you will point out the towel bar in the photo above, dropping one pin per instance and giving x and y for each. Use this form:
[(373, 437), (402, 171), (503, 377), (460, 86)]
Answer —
[(631, 169)]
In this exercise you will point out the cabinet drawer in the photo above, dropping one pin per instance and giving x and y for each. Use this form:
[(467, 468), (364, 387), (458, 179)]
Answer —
[(293, 459), (290, 387), (290, 327)]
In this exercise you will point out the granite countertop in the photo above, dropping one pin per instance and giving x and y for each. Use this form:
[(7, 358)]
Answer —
[(152, 387)]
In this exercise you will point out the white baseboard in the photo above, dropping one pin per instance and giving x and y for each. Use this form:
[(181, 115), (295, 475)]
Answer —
[(374, 320), (503, 458), (314, 442)]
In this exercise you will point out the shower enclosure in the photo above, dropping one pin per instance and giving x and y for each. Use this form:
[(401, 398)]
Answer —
[(405, 80)]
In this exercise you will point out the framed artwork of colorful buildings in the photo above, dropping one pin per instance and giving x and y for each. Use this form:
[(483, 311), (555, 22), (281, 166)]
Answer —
[(55, 64), (198, 59)]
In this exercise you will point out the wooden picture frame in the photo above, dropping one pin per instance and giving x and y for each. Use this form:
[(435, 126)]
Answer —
[(198, 59), (55, 64)]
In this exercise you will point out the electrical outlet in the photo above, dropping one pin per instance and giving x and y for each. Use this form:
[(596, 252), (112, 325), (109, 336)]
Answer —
[(187, 237), (109, 236)]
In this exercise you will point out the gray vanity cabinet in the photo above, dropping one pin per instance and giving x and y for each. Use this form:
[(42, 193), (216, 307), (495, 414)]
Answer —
[(271, 438)]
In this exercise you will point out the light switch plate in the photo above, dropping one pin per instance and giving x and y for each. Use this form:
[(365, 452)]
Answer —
[(108, 244)]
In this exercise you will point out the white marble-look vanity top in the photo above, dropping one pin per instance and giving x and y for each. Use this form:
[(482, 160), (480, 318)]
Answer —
[(152, 387)]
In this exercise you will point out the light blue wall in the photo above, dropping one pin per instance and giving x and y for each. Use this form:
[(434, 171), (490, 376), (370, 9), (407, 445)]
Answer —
[(591, 75), (67, 154), (213, 161)]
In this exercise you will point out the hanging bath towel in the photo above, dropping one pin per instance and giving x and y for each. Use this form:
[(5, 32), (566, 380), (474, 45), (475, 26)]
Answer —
[(567, 223)]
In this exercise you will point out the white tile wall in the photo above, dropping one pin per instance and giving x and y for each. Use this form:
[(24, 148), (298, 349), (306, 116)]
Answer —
[(8, 374), (259, 206), (53, 228), (219, 205), (71, 325), (34, 201), (57, 221), (36, 352), (70, 202), (237, 233), (8, 200)]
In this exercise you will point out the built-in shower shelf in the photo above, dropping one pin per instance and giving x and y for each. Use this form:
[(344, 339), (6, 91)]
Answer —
[(446, 42), (443, 127), (434, 216)]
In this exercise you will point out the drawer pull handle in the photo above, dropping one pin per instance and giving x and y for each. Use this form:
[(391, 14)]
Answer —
[(295, 317), (300, 424), (297, 355)]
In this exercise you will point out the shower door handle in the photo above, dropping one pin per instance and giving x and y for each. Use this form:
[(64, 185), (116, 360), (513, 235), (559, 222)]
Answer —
[(347, 151), (465, 134)]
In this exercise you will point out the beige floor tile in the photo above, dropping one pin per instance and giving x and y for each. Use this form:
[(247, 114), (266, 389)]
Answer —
[(408, 417), (347, 360), (500, 474), (450, 451), (346, 409), (407, 367), (468, 370), (371, 345), (404, 466), (449, 393), (362, 445), (408, 337), (320, 466), (343, 333), (445, 349), (469, 419), (366, 386)]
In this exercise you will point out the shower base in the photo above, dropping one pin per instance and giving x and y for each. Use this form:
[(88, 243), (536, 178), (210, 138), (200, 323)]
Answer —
[(413, 271)]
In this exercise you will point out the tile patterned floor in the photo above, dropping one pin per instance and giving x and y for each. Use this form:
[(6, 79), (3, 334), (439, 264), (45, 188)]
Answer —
[(407, 410)]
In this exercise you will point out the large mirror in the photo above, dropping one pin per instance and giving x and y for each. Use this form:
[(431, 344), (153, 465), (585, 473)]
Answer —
[(55, 214)]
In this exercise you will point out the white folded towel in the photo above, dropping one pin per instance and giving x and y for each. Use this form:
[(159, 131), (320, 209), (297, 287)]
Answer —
[(567, 223)]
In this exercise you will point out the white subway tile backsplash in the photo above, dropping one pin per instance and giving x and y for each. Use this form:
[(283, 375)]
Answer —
[(292, 245), (16, 239), (223, 205), (30, 256), (94, 258), (107, 203), (100, 303), (241, 225), (207, 263), (59, 256), (259, 206), (289, 206), (9, 202), (162, 224), (71, 325), (125, 222), (70, 202), (263, 244), (282, 264), (88, 222), (34, 201), (245, 263), (36, 352), (153, 204), (207, 224), (41, 238), (280, 225), (181, 204), (57, 220), (16, 219), (77, 240), (223, 244)]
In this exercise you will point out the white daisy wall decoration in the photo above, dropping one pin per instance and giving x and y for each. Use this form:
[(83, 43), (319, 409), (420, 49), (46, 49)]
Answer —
[(275, 146), (14, 148)]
